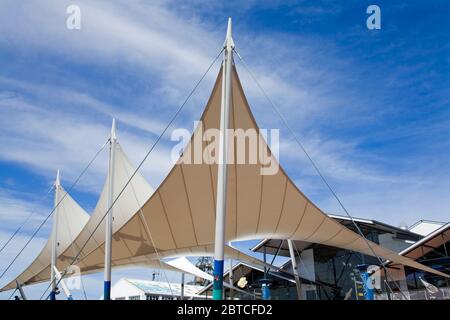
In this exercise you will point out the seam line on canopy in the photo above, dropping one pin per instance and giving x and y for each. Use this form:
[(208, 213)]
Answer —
[(301, 219), (260, 201), (282, 204), (334, 236), (167, 218), (188, 203), (315, 230)]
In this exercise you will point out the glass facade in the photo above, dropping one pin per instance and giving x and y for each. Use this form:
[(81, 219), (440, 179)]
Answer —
[(437, 259), (336, 276), (335, 268), (335, 272)]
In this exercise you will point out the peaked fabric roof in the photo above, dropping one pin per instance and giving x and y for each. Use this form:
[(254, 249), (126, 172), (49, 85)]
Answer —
[(136, 193), (126, 207), (179, 217), (71, 220), (180, 214)]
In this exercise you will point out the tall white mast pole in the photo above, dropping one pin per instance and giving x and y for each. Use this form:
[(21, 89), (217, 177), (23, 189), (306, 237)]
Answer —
[(295, 269), (109, 216), (222, 167), (55, 237)]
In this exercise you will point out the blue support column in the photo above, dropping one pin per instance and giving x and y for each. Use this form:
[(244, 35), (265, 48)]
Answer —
[(218, 280), (107, 290), (265, 291)]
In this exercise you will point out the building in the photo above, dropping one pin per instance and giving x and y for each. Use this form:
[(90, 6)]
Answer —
[(433, 251), (331, 273), (326, 272), (425, 227), (133, 289)]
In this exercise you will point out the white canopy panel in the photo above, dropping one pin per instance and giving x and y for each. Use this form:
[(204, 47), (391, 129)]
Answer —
[(71, 220), (179, 217), (180, 214), (134, 195)]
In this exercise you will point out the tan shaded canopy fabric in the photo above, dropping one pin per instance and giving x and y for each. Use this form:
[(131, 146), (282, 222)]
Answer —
[(71, 220), (181, 213), (179, 217)]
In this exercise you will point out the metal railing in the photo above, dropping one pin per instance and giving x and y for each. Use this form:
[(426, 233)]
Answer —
[(421, 294)]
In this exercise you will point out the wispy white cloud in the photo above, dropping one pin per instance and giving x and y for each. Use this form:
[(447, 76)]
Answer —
[(17, 207), (140, 59), (171, 49)]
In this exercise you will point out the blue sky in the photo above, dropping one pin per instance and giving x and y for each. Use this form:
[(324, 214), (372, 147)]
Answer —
[(371, 106)]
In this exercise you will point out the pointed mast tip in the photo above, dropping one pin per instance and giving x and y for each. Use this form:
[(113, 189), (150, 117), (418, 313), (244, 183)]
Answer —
[(57, 180), (113, 129), (229, 43)]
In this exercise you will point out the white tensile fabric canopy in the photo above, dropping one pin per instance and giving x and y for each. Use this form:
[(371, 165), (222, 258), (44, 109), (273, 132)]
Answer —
[(136, 193), (180, 214), (71, 220), (178, 219)]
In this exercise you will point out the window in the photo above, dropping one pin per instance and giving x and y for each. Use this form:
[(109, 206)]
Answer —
[(134, 298), (120, 298)]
